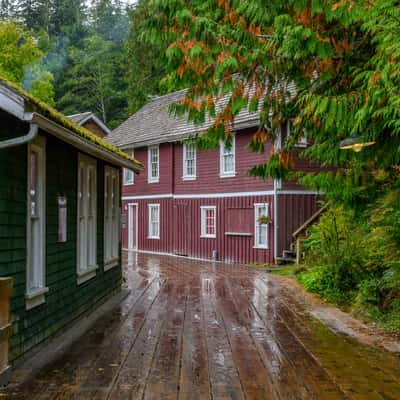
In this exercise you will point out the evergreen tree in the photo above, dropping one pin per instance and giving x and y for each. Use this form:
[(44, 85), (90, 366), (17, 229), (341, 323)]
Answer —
[(90, 82), (7, 9)]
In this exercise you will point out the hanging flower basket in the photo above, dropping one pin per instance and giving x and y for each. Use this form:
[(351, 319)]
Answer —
[(264, 219)]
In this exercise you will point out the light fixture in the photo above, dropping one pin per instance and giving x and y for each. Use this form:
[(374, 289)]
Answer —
[(354, 143)]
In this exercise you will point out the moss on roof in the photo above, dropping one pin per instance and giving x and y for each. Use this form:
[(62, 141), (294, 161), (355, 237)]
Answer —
[(65, 122)]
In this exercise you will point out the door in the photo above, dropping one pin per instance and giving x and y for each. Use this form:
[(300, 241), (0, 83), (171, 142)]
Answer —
[(181, 236), (132, 226)]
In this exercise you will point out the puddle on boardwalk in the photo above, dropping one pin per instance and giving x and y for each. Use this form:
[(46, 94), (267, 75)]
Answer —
[(196, 330)]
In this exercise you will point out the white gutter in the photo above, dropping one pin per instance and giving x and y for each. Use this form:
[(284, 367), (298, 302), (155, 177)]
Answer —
[(33, 131), (75, 140)]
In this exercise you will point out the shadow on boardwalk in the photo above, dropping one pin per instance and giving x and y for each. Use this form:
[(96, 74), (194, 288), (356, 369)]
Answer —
[(197, 330)]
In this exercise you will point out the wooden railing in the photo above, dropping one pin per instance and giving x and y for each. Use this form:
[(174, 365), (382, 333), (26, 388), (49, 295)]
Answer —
[(5, 324), (301, 232)]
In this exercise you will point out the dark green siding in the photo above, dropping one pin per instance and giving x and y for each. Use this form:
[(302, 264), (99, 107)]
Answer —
[(66, 300)]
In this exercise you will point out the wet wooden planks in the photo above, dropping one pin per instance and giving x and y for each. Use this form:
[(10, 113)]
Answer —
[(196, 330)]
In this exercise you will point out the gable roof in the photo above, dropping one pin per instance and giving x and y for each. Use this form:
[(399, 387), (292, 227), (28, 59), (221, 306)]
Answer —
[(153, 124), (28, 108), (82, 118)]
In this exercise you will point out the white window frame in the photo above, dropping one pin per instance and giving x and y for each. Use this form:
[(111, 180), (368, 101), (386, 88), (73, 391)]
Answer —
[(257, 226), (186, 175), (151, 178), (151, 234), (36, 263), (203, 212), (87, 201), (111, 217), (224, 151), (130, 173), (303, 142)]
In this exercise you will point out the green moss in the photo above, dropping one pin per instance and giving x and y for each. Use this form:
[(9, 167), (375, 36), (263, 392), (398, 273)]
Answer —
[(65, 122)]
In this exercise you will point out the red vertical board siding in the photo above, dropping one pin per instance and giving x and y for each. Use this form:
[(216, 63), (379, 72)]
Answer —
[(208, 178), (293, 211), (180, 229)]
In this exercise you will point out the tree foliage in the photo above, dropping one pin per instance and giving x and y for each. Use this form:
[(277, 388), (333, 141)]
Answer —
[(340, 56), (20, 61)]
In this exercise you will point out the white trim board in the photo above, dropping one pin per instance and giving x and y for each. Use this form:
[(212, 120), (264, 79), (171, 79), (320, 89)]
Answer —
[(220, 195)]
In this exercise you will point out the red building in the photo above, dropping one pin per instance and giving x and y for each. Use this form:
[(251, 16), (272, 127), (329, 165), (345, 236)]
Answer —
[(201, 203)]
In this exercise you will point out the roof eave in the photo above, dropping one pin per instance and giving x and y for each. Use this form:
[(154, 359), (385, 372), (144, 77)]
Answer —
[(181, 136), (77, 141)]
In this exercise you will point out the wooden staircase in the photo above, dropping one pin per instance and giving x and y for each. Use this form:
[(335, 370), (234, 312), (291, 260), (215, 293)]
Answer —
[(295, 254)]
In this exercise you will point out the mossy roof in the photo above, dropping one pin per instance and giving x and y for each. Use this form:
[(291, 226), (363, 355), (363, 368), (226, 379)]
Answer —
[(57, 117)]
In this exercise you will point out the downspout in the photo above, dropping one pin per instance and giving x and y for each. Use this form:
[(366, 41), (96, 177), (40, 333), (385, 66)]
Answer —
[(33, 131), (277, 185)]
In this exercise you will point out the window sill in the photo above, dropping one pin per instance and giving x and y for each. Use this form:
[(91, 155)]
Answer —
[(153, 181), (261, 247), (230, 175), (111, 264), (208, 236), (87, 274), (36, 298), (128, 184), (189, 178), (238, 234), (153, 237)]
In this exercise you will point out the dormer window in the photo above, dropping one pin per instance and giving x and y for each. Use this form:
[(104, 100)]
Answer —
[(154, 164), (227, 159)]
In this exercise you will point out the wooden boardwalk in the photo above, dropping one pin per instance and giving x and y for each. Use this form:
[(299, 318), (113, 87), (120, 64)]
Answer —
[(196, 330)]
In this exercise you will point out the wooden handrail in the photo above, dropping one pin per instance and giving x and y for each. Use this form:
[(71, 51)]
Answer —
[(309, 222)]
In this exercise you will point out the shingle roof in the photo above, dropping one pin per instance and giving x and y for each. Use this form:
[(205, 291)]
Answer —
[(154, 124)]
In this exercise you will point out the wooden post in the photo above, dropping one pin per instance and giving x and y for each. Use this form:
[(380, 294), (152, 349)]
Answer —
[(298, 250), (6, 285)]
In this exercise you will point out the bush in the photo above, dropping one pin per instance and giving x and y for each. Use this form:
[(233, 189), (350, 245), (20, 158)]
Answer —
[(355, 259)]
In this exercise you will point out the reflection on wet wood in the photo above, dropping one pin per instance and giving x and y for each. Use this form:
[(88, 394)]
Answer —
[(196, 330)]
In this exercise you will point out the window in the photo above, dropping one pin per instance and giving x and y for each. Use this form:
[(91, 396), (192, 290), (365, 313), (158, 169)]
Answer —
[(261, 225), (302, 142), (129, 175), (87, 214), (189, 161), (36, 223), (154, 221), (111, 217), (208, 222), (154, 164), (227, 159)]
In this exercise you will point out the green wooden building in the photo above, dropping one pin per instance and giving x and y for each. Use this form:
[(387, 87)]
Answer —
[(59, 219)]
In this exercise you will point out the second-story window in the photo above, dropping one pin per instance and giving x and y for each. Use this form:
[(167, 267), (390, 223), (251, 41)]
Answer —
[(129, 175), (189, 161), (227, 159), (154, 164)]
